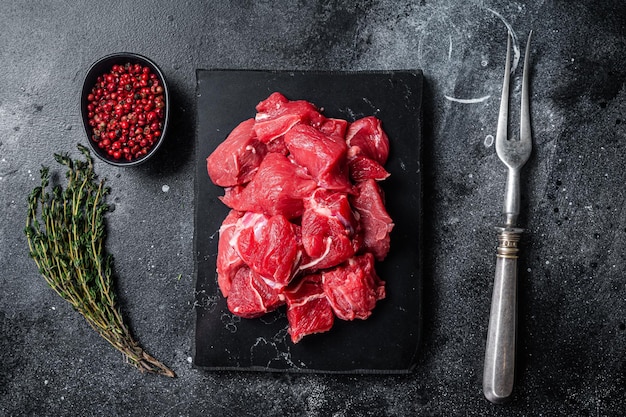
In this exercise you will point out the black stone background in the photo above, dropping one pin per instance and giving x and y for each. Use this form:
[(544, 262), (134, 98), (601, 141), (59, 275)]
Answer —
[(572, 285)]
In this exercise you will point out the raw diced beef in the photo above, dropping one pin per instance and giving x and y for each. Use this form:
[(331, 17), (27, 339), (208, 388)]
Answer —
[(269, 246), (368, 149), (228, 260), (335, 128), (278, 187), (368, 136), (308, 218), (373, 217), (250, 296), (328, 226), (323, 156), (308, 310), (353, 288), (276, 115), (236, 160), (362, 168)]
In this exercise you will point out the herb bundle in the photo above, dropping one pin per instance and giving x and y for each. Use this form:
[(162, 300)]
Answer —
[(66, 238)]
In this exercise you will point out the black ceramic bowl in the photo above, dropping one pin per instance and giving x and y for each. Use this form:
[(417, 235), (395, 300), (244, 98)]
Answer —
[(103, 66)]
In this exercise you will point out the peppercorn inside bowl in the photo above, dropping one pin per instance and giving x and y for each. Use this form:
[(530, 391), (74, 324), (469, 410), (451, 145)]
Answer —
[(125, 108)]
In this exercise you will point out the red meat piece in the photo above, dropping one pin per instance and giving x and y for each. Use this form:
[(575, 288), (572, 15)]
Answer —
[(362, 168), (250, 296), (375, 222), (335, 128), (328, 227), (368, 136), (236, 160), (269, 246), (368, 150), (353, 288), (228, 260), (278, 187), (308, 310), (276, 115), (323, 156)]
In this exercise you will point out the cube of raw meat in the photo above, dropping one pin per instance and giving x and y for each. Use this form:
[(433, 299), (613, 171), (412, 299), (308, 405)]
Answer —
[(236, 160), (328, 227), (323, 156), (368, 149), (250, 296), (228, 260), (369, 138), (269, 246), (361, 168), (276, 115), (308, 310), (353, 287), (335, 128), (375, 222), (278, 187)]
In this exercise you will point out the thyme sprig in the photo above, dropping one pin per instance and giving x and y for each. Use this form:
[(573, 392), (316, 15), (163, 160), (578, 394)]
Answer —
[(66, 234)]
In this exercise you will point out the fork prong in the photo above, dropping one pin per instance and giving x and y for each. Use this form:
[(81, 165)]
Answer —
[(525, 107), (503, 116)]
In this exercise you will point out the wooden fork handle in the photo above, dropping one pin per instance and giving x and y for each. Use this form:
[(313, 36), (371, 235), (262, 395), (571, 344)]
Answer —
[(499, 370)]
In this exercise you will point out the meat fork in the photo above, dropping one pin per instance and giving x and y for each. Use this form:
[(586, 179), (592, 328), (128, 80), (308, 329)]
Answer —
[(499, 370)]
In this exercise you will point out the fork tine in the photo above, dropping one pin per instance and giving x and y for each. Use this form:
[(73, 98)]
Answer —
[(503, 116), (525, 109)]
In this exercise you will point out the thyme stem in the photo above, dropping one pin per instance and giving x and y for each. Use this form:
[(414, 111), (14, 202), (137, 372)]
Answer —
[(66, 232)]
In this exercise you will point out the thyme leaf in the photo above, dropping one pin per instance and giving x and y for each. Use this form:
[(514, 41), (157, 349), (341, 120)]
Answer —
[(66, 234)]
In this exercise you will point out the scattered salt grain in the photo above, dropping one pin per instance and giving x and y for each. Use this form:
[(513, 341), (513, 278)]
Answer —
[(165, 188)]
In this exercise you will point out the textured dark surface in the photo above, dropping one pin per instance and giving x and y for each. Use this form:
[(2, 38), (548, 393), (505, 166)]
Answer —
[(571, 361)]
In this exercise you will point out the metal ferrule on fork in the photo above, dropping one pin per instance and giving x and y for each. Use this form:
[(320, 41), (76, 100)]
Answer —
[(508, 239)]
